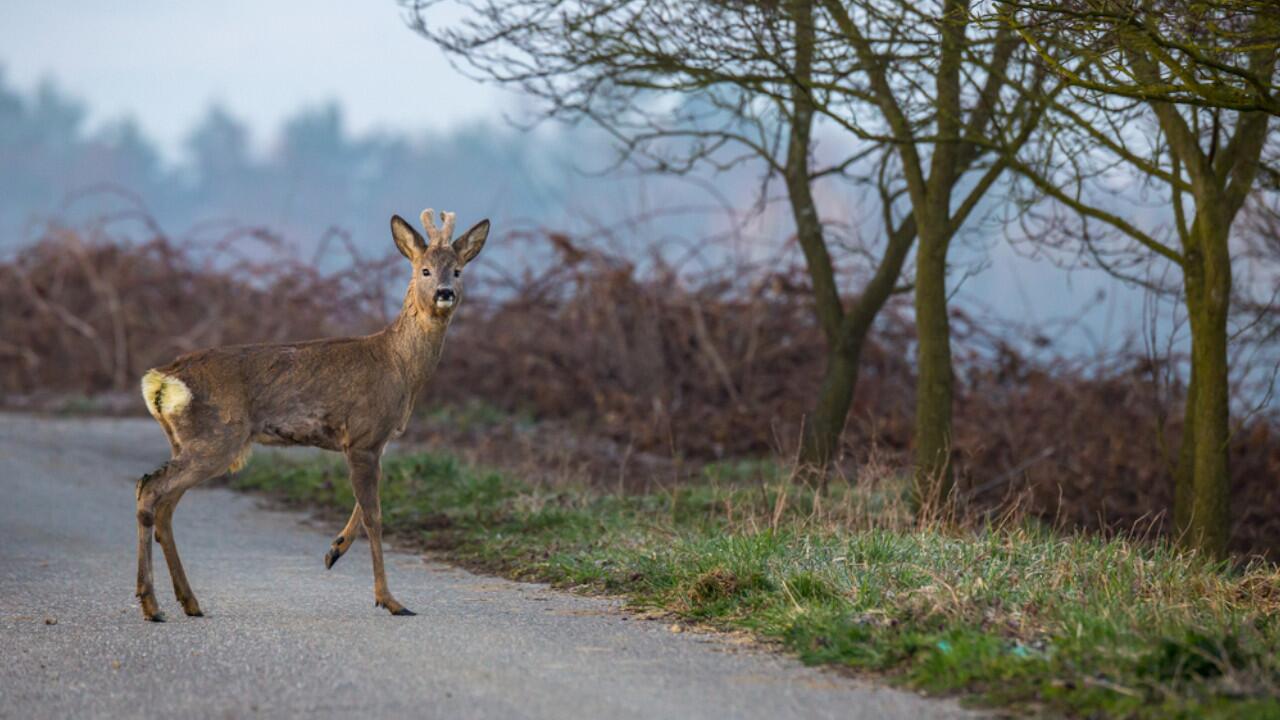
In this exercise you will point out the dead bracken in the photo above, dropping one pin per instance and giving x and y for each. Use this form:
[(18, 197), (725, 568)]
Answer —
[(652, 370)]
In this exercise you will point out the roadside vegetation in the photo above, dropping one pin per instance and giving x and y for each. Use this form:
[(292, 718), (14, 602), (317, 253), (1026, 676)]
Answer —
[(1072, 116), (1006, 609), (645, 370)]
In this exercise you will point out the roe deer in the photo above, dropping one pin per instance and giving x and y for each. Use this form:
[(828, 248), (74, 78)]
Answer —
[(346, 394)]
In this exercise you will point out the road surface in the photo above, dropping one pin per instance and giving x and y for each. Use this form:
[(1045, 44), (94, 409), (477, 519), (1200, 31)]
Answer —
[(284, 638)]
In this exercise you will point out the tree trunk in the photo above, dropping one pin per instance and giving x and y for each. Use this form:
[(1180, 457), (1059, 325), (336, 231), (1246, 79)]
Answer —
[(1208, 519), (934, 385), (824, 426), (1220, 182), (1184, 473), (1184, 477), (933, 330)]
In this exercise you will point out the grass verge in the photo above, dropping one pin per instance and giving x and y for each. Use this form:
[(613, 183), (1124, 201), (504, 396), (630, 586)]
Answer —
[(1016, 615)]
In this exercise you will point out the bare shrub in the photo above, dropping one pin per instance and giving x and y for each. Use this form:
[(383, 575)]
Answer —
[(87, 311), (641, 369)]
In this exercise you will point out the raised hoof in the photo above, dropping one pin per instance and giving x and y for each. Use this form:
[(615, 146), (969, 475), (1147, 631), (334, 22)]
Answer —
[(157, 618), (331, 557), (194, 613)]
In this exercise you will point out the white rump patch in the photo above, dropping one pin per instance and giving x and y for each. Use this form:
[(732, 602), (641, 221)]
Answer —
[(164, 394)]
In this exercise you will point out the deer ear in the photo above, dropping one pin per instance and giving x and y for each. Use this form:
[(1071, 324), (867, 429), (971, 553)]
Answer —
[(472, 241), (407, 239)]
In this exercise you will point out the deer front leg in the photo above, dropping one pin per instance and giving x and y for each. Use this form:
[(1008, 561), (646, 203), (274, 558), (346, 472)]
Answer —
[(365, 475), (345, 539)]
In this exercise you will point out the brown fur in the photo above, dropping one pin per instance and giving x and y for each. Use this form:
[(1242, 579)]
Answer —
[(351, 395)]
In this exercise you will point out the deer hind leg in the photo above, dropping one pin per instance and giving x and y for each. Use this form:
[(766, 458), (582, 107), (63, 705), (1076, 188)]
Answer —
[(365, 475), (146, 521), (157, 494), (164, 535), (345, 539)]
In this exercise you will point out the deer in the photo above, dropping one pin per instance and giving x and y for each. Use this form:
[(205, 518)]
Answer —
[(350, 395)]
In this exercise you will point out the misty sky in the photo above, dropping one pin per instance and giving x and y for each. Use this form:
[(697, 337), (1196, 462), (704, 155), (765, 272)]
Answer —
[(164, 62)]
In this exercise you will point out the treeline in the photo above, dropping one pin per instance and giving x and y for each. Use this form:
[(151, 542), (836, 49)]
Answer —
[(313, 176)]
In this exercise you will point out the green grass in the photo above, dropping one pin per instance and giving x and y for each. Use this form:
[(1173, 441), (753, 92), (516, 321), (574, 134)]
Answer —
[(473, 415), (1016, 615)]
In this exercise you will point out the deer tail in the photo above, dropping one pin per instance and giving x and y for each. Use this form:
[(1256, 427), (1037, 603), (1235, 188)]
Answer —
[(164, 394)]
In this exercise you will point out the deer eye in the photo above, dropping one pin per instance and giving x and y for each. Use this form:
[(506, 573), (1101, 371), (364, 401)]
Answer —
[(426, 272), (457, 273)]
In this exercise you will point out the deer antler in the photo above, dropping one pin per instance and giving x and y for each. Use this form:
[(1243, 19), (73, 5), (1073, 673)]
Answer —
[(443, 234)]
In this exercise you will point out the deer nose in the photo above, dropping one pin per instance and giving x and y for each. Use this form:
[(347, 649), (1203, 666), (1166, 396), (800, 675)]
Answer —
[(446, 296)]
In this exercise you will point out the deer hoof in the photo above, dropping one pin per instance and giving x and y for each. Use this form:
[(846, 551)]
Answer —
[(394, 608), (150, 609), (331, 557)]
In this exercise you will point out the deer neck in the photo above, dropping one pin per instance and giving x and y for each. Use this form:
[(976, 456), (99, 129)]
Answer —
[(416, 340)]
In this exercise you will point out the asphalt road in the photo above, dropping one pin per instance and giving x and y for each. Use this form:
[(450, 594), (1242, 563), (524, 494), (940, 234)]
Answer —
[(282, 637)]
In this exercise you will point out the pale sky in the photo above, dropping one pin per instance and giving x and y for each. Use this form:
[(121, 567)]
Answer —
[(164, 63)]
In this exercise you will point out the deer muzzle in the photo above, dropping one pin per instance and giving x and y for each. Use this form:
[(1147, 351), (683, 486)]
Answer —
[(446, 298)]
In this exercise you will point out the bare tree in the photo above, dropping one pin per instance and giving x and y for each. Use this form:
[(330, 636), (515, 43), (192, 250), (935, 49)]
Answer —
[(746, 80), (920, 92), (1141, 105), (945, 91), (1197, 52)]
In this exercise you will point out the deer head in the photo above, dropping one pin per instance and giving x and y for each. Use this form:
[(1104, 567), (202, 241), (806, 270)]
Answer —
[(436, 287)]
